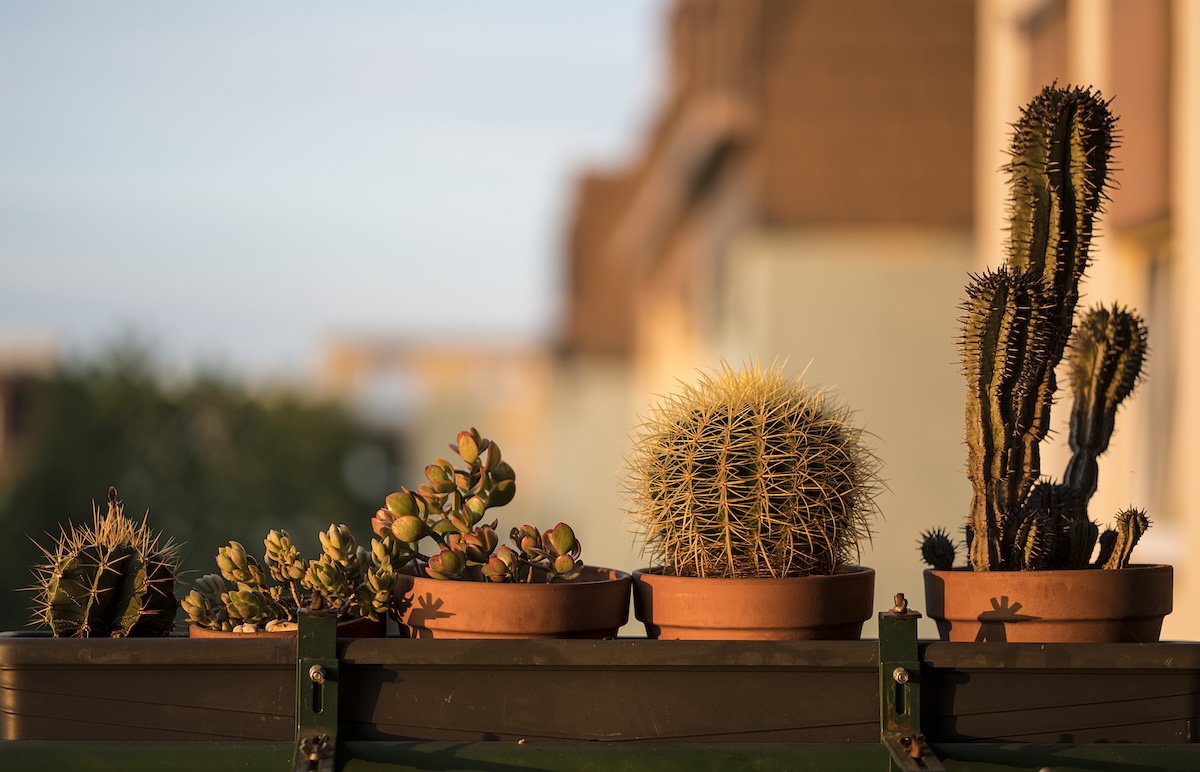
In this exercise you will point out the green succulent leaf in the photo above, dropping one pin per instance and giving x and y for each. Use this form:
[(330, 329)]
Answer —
[(561, 540), (468, 447), (402, 503)]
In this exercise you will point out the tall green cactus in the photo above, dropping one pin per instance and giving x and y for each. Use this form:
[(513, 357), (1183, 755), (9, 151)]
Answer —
[(111, 579), (1058, 171), (1008, 344), (1107, 352), (1016, 327)]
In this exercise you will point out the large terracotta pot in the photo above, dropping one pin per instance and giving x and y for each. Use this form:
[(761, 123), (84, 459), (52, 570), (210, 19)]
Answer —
[(799, 608), (1083, 605), (593, 605), (351, 628)]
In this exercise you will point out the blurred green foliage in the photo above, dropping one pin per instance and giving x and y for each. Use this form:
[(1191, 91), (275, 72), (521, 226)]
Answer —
[(209, 461)]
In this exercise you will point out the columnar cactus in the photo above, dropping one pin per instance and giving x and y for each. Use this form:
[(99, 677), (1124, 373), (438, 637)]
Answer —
[(449, 510), (750, 473), (1017, 326), (1107, 352), (1130, 525), (111, 579), (1008, 345)]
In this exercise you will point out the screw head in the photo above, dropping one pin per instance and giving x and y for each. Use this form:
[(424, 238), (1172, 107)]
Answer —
[(900, 675), (317, 674)]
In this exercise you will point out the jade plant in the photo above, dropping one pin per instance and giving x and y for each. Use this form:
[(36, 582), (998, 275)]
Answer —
[(1019, 323), (448, 512), (248, 595), (750, 473), (110, 579)]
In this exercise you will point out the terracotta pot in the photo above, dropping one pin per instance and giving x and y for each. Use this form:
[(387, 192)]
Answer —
[(800, 608), (1083, 605), (351, 628), (594, 605)]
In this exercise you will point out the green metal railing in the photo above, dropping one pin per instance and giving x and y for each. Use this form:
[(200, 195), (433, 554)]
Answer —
[(317, 746)]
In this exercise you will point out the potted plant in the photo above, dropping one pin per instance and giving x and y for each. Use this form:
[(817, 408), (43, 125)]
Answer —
[(470, 586), (112, 579), (346, 579), (1030, 540), (752, 493)]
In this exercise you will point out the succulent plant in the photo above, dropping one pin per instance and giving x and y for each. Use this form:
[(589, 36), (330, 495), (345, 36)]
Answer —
[(109, 579), (1017, 327), (449, 509), (751, 474), (347, 578)]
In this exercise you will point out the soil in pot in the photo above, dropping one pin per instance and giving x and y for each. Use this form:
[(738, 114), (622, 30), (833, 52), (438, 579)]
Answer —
[(594, 605), (799, 608), (1082, 605), (351, 628)]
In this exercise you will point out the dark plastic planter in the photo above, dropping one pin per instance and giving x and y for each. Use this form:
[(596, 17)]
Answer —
[(562, 690)]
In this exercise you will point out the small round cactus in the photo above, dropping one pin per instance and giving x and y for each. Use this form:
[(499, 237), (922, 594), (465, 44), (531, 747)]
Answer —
[(938, 549), (752, 474), (111, 579)]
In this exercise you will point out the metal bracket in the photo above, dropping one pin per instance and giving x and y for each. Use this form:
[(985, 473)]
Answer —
[(316, 692), (900, 691)]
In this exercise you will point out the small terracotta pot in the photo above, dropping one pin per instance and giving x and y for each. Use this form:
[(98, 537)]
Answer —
[(351, 628), (594, 605), (1083, 605), (798, 608)]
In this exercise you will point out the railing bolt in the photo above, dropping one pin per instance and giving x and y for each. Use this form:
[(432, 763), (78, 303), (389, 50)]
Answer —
[(317, 674), (900, 675)]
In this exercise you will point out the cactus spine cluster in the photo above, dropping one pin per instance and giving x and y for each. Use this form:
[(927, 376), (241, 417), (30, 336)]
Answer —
[(1018, 324), (110, 579), (751, 474)]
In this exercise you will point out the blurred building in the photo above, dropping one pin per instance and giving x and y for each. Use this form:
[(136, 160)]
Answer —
[(821, 177), (24, 364), (814, 187), (805, 193)]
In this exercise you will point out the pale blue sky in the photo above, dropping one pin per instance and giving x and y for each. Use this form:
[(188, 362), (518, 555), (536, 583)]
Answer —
[(238, 180)]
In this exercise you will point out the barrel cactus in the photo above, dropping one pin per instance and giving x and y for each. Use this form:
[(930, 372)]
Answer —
[(110, 579), (1019, 323), (750, 473)]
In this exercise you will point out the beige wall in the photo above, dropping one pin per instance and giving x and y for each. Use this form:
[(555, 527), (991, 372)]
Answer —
[(1185, 306), (873, 314)]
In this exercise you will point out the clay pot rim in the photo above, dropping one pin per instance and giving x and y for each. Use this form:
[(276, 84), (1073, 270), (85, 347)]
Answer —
[(592, 575), (843, 573), (966, 570)]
